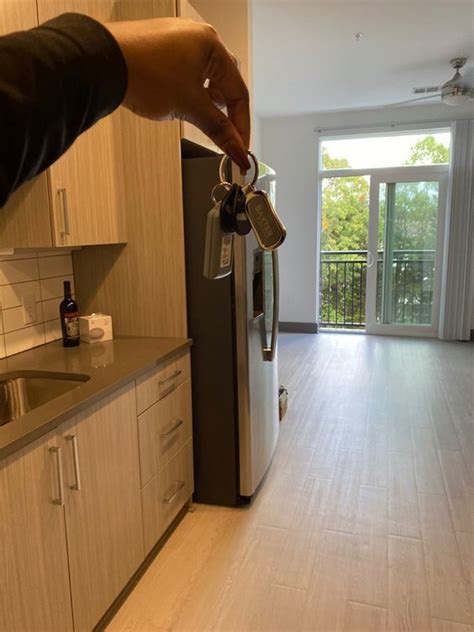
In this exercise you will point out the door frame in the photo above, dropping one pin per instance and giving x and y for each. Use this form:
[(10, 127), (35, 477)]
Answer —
[(429, 173)]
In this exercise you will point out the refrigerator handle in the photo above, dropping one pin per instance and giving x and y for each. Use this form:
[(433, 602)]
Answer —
[(269, 352)]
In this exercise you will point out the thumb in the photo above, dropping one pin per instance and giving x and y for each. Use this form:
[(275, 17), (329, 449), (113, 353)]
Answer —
[(215, 124)]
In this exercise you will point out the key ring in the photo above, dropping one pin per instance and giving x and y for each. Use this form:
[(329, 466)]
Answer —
[(224, 160)]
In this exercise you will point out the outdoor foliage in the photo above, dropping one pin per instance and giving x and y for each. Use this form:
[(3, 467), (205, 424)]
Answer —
[(345, 210)]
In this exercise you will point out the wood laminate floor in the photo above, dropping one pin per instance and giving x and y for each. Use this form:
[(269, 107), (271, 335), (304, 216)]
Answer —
[(366, 518)]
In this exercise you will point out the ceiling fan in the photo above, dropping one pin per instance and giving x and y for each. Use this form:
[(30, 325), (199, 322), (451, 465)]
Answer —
[(454, 92)]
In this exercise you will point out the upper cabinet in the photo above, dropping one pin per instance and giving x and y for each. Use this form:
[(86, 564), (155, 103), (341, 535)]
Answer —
[(78, 200), (85, 183), (24, 220), (231, 20)]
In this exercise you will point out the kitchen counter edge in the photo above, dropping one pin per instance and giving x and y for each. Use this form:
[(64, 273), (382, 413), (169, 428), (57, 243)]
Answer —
[(104, 380)]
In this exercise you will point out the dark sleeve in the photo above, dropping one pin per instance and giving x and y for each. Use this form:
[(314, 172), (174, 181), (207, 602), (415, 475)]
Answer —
[(56, 81)]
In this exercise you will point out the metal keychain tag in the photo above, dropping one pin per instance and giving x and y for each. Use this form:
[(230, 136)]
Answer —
[(267, 226)]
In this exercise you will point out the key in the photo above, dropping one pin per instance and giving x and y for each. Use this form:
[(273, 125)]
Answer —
[(233, 212), (267, 226)]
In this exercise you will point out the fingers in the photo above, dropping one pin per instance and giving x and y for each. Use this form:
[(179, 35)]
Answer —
[(226, 80), (219, 128), (216, 96)]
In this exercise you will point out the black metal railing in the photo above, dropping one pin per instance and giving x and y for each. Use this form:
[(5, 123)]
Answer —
[(343, 288)]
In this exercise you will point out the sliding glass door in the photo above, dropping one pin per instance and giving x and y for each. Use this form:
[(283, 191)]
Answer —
[(405, 249)]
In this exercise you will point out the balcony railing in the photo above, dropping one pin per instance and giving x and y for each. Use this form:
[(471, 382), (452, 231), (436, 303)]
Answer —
[(343, 287)]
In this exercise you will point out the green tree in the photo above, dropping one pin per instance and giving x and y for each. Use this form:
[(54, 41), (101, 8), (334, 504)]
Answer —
[(428, 151), (345, 214), (345, 204)]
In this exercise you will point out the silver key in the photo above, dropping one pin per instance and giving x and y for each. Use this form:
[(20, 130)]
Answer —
[(267, 226), (219, 247)]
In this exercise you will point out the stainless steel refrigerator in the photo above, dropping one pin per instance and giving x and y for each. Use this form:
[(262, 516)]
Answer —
[(234, 326)]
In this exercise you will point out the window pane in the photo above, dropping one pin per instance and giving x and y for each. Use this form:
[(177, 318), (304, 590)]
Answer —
[(344, 234), (393, 150), (406, 258)]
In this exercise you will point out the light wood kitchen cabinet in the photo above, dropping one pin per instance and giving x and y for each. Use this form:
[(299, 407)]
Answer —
[(86, 182), (157, 383), (166, 494), (164, 408), (24, 220), (34, 581), (163, 429), (102, 508)]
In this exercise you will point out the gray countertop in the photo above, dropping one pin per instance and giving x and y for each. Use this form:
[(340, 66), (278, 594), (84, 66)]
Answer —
[(109, 365)]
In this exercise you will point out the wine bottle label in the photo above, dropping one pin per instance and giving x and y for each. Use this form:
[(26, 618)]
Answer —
[(71, 322)]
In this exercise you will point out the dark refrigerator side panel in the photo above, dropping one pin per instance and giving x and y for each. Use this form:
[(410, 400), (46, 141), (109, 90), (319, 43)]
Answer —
[(210, 325)]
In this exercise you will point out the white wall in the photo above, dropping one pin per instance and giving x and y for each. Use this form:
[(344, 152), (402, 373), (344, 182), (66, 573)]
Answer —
[(289, 145)]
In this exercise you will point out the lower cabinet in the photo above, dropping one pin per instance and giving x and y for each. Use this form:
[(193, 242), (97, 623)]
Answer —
[(166, 454), (102, 504), (75, 519), (166, 494), (34, 580)]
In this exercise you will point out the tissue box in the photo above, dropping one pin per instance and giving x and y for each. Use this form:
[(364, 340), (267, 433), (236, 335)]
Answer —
[(95, 328)]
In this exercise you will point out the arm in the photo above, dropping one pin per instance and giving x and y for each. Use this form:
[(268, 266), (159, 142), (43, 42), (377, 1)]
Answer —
[(60, 78), (55, 82)]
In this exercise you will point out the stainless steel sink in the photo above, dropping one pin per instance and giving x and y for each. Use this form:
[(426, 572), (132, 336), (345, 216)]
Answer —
[(22, 391)]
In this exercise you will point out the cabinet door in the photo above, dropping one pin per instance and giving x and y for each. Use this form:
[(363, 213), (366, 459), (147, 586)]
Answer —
[(103, 513), (34, 582), (86, 181), (25, 219)]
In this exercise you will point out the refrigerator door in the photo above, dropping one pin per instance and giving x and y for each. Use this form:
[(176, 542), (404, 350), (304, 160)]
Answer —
[(257, 376)]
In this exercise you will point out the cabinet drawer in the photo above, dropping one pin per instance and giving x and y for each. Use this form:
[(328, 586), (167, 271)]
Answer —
[(157, 383), (163, 429), (165, 495)]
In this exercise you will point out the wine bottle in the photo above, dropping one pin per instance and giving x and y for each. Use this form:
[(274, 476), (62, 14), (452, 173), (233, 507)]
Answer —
[(69, 314)]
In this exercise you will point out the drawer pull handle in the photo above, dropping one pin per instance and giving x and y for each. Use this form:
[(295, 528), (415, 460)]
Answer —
[(173, 376), (169, 499), (178, 424), (77, 471), (59, 464)]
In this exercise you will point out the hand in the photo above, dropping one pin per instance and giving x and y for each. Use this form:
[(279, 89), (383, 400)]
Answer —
[(169, 61)]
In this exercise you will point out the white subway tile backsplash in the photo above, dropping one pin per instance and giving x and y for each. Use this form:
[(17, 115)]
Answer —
[(11, 295), (52, 330), (55, 266), (18, 271), (32, 274), (18, 341), (51, 309), (14, 319), (54, 288)]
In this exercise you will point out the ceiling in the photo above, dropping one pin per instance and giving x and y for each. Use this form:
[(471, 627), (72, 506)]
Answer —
[(307, 59)]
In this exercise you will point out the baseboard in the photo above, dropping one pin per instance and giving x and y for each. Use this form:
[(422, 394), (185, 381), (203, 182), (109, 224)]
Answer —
[(298, 328), (472, 335)]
